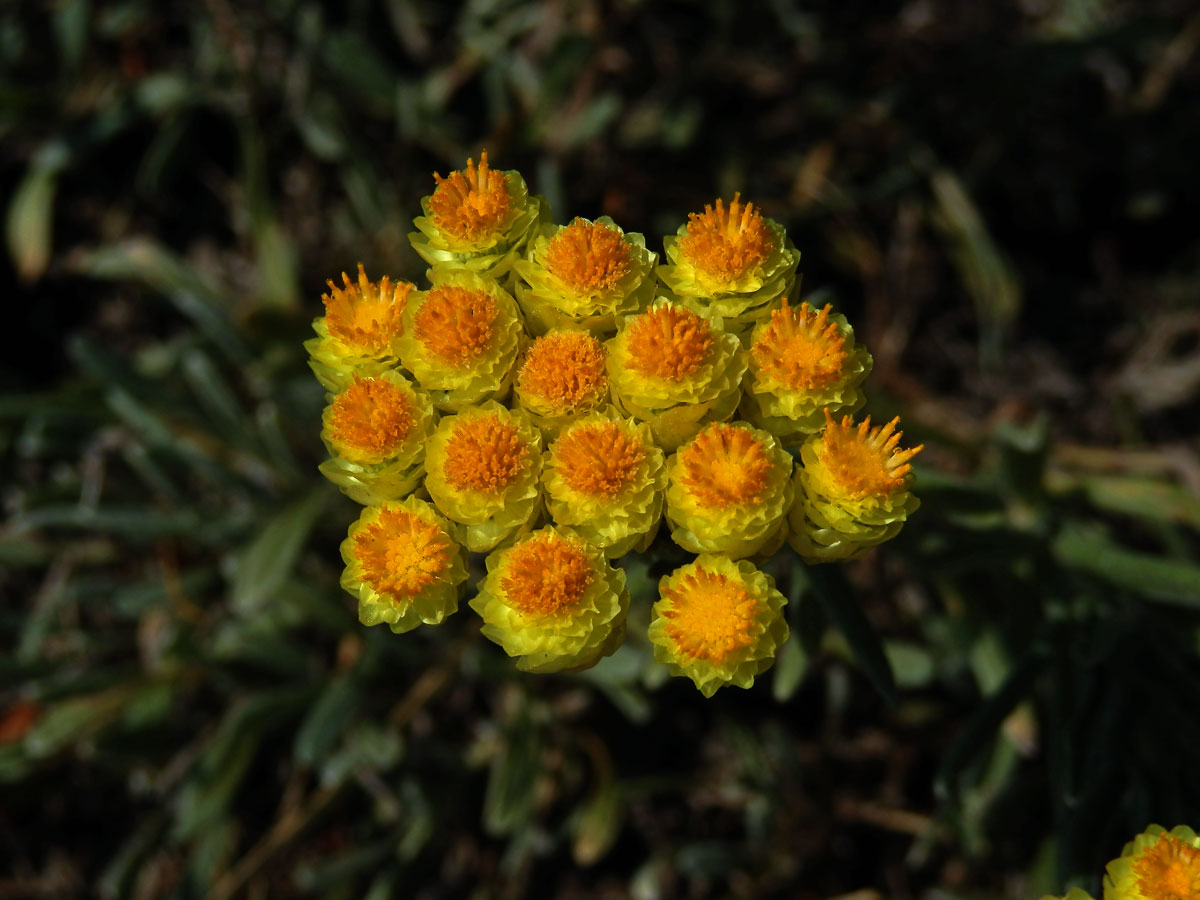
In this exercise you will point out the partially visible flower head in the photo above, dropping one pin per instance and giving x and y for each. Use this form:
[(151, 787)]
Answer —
[(851, 490), (402, 565), (730, 261), (357, 335), (1156, 865), (560, 376), (718, 622), (553, 602), (482, 470), (730, 489), (375, 430), (473, 203), (604, 482), (477, 219), (726, 243), (802, 363), (584, 275), (461, 339), (676, 371)]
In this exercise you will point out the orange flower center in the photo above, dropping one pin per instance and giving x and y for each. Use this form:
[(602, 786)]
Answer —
[(471, 204), (588, 257), (865, 461), (564, 369), (370, 419), (484, 454), (401, 553), (456, 324), (725, 244), (724, 466), (1170, 870), (668, 342), (546, 575), (366, 315), (712, 616), (598, 459), (801, 349)]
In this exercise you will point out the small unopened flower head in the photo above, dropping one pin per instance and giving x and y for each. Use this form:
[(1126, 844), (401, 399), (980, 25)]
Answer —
[(851, 490), (718, 622), (559, 377), (402, 565), (730, 490), (461, 339), (675, 370), (375, 431), (604, 481), (483, 467), (731, 262), (1156, 865), (477, 218), (802, 363), (584, 275), (553, 602), (358, 334)]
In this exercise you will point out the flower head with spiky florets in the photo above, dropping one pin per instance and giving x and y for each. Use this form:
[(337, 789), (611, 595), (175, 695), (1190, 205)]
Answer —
[(358, 334), (559, 377), (1156, 865), (402, 565), (718, 622), (851, 490), (553, 602)]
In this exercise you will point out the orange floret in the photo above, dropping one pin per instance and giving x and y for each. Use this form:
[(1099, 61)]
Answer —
[(801, 349), (472, 203), (401, 554), (711, 616), (724, 465), (456, 324), (669, 341), (546, 575), (564, 369), (364, 314), (726, 243), (372, 417), (1170, 870), (588, 257), (484, 454), (598, 459), (865, 461)]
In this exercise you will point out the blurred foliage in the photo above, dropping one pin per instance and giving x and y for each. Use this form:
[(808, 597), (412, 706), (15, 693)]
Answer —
[(999, 196)]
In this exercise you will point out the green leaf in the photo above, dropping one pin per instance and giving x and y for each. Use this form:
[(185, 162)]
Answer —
[(790, 665), (1164, 580), (30, 218), (266, 563), (327, 720)]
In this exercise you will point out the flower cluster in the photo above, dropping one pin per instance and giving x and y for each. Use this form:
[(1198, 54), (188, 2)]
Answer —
[(555, 395), (1156, 865)]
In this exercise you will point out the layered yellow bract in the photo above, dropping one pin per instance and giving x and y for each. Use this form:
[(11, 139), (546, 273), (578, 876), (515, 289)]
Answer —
[(553, 602), (729, 492), (584, 275), (1156, 865), (477, 219), (402, 566), (718, 622), (604, 481), (483, 470)]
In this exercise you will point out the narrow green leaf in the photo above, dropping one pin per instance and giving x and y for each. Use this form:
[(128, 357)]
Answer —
[(30, 218), (327, 720), (790, 665), (1165, 580), (838, 600), (266, 563)]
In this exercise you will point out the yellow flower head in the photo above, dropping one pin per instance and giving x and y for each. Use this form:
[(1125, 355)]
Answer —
[(604, 481), (560, 376), (375, 431), (1156, 865), (553, 602), (718, 622), (675, 370), (482, 470), (851, 490), (730, 490), (461, 339), (584, 275), (357, 335), (402, 565), (731, 261), (802, 363), (477, 219)]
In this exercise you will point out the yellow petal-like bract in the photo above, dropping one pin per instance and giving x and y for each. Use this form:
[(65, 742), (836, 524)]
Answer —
[(477, 219), (675, 370), (1156, 865), (402, 565), (375, 431), (604, 480), (553, 602), (584, 275), (483, 469), (730, 490), (851, 490), (718, 622)]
